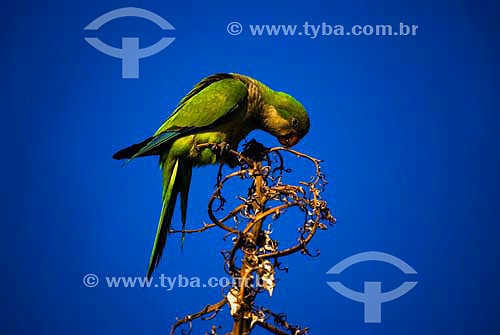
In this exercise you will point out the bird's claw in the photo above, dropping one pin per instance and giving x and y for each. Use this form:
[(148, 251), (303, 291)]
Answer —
[(221, 149)]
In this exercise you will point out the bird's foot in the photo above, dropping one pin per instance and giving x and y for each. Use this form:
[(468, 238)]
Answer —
[(221, 149)]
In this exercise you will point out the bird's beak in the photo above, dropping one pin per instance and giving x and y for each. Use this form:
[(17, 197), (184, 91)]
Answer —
[(289, 140)]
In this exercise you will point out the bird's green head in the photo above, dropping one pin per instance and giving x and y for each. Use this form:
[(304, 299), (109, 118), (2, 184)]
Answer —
[(284, 117)]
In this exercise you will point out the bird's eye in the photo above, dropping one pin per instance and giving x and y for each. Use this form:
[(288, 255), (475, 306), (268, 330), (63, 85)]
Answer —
[(295, 122)]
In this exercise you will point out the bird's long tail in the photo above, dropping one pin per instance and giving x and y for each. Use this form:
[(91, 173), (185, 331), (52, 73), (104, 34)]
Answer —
[(176, 179)]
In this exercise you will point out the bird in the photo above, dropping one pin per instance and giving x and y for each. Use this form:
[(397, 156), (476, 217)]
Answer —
[(221, 109)]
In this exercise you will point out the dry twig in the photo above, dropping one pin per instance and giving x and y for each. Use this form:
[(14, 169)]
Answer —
[(267, 198)]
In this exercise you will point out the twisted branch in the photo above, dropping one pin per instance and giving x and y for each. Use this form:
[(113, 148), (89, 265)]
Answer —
[(214, 309), (252, 241)]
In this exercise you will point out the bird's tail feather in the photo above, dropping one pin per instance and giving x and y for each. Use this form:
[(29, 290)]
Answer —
[(132, 150), (176, 179), (185, 181), (151, 146)]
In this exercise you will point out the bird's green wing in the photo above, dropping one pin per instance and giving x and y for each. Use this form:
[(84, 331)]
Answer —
[(207, 104)]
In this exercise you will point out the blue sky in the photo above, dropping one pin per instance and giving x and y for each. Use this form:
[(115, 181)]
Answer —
[(407, 127)]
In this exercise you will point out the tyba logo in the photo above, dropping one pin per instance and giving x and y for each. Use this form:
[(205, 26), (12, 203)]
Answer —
[(372, 297), (130, 52)]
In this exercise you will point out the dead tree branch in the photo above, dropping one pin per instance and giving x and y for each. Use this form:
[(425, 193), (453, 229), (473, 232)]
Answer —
[(248, 261), (213, 309)]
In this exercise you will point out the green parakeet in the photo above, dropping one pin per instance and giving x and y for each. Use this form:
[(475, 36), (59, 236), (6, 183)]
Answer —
[(222, 108)]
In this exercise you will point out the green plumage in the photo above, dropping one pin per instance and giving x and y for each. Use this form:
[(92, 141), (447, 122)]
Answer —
[(209, 105), (216, 110)]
